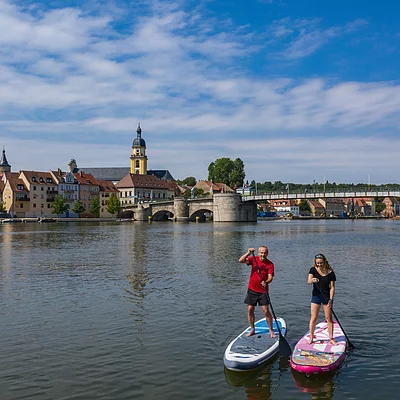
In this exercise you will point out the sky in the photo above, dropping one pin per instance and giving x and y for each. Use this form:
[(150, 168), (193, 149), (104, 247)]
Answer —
[(300, 90)]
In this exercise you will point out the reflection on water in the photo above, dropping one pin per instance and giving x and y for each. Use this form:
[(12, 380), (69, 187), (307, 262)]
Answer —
[(319, 386), (145, 311)]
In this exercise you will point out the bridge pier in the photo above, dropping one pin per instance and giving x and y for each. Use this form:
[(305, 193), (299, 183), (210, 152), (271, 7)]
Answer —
[(181, 209), (142, 213), (228, 207)]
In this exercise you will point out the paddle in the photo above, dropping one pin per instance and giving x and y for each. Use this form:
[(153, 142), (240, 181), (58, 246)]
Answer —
[(351, 346), (284, 347)]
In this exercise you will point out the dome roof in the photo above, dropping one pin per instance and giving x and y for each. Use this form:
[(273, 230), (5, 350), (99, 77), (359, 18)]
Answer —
[(139, 142)]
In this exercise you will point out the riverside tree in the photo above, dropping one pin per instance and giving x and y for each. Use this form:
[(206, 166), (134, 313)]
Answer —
[(78, 207), (113, 205), (227, 171), (95, 206), (59, 205)]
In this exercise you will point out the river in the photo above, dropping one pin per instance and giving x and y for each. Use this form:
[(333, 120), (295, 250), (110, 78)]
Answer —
[(145, 310)]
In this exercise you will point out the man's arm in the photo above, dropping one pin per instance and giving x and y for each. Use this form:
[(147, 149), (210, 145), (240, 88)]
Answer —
[(245, 256)]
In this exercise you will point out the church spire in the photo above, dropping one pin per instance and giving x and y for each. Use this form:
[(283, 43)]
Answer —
[(138, 157), (4, 165)]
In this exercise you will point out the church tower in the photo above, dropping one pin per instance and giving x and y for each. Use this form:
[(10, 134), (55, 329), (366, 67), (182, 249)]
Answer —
[(4, 165), (138, 157)]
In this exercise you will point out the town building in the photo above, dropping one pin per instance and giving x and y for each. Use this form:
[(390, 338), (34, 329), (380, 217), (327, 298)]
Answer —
[(107, 188), (138, 188), (317, 209), (68, 188), (284, 207), (88, 189), (16, 200), (392, 207), (332, 206)]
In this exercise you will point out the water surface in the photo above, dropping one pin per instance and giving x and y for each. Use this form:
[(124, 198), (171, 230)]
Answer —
[(145, 311)]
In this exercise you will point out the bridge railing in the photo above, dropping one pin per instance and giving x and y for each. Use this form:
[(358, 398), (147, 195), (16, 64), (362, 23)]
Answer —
[(318, 195)]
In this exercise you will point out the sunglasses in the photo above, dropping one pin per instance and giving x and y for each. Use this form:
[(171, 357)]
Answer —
[(320, 256)]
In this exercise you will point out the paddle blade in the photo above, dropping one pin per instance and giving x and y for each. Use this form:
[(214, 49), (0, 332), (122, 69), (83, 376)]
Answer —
[(284, 347)]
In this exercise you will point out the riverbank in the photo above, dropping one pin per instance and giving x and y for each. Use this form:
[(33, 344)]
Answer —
[(55, 219)]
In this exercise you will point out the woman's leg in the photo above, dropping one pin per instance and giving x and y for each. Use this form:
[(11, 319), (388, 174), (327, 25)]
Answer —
[(313, 320), (328, 317)]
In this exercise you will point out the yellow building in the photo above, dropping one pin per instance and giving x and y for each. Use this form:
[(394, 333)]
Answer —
[(43, 191), (107, 188), (138, 157), (16, 198)]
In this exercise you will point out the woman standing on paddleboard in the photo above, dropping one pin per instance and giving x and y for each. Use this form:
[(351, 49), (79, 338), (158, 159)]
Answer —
[(323, 278)]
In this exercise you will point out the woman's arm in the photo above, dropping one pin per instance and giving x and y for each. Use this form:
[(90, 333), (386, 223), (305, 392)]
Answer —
[(311, 279), (331, 291)]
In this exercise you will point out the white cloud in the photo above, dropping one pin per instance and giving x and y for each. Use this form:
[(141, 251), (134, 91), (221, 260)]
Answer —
[(71, 80)]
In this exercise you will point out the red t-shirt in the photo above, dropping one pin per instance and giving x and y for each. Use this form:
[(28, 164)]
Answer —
[(266, 268)]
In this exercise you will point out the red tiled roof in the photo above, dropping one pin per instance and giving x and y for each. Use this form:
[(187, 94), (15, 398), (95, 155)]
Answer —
[(85, 179), (38, 177), (142, 181), (14, 180), (107, 186)]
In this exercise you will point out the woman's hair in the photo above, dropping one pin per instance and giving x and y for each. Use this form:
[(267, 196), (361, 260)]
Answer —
[(320, 256)]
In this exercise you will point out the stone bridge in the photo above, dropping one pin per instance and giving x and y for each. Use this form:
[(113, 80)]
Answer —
[(224, 207)]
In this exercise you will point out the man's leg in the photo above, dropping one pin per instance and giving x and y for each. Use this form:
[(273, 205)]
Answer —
[(252, 319), (268, 317)]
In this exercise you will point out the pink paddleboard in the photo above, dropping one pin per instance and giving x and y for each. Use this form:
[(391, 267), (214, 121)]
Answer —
[(319, 356)]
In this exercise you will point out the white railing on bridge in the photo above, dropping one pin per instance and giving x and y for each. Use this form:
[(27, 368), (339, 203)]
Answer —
[(319, 195)]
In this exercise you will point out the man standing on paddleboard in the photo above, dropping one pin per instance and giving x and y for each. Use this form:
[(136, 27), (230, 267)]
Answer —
[(258, 285)]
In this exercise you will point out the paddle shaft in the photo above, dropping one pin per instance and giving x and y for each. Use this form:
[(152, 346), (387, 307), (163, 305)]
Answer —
[(284, 347), (337, 320)]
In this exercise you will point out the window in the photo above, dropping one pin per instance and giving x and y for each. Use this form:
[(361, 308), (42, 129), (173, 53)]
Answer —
[(40, 179), (33, 179), (21, 206), (20, 187), (34, 205), (163, 196), (137, 164), (84, 188), (48, 205), (62, 187), (34, 188), (42, 205), (42, 188)]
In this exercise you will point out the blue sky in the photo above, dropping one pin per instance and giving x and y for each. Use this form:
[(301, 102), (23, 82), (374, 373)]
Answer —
[(298, 90)]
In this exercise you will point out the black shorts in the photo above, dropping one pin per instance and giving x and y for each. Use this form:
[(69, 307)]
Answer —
[(255, 298)]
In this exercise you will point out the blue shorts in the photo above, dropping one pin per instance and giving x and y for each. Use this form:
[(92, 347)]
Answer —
[(319, 300)]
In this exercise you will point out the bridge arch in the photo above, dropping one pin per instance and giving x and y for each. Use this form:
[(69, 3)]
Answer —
[(203, 214), (162, 215)]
